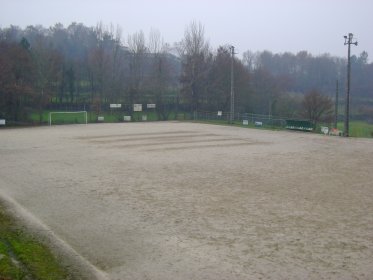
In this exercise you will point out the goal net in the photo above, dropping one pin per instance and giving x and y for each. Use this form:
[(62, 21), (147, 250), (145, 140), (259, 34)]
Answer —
[(68, 117)]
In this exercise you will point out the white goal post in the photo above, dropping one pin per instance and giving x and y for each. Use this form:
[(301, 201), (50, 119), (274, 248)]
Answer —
[(76, 112)]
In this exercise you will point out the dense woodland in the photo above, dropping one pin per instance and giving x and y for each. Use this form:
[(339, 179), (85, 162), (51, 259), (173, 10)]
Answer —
[(71, 67)]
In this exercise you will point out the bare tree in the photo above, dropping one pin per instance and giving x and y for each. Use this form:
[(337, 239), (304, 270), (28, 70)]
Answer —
[(117, 59), (194, 41), (136, 43), (46, 62), (17, 75), (160, 73), (249, 60), (104, 64), (156, 44), (317, 107), (196, 58), (137, 47)]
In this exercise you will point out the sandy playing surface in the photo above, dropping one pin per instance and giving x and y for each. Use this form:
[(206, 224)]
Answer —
[(172, 200)]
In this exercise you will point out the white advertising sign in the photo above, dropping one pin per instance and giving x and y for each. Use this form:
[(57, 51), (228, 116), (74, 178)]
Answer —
[(137, 107), (150, 106), (115, 105), (258, 123), (325, 129)]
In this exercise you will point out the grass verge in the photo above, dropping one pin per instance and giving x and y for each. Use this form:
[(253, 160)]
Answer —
[(358, 129), (24, 257)]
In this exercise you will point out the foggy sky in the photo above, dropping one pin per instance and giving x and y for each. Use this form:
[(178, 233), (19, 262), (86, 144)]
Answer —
[(317, 26)]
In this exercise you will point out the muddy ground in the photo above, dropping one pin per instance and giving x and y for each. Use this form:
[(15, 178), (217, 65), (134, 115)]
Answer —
[(171, 200)]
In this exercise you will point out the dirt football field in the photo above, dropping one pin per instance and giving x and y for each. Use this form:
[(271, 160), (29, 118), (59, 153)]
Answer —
[(182, 201)]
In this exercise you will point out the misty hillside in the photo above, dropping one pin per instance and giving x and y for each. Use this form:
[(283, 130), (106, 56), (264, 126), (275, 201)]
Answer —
[(43, 67)]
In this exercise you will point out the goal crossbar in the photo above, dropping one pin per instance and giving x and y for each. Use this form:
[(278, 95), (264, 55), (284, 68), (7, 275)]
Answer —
[(72, 112)]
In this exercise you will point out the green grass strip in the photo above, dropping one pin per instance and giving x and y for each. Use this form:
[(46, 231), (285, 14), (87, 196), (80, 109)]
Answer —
[(24, 257)]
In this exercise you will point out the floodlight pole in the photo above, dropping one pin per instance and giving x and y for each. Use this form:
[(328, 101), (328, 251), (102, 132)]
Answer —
[(349, 42), (232, 85), (336, 105)]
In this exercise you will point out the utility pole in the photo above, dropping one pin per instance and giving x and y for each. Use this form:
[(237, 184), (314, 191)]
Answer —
[(336, 105), (232, 85), (349, 42)]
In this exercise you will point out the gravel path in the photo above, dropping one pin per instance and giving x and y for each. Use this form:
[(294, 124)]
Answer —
[(171, 200)]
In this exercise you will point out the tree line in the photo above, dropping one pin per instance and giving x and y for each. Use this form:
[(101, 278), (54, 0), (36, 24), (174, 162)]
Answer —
[(49, 68)]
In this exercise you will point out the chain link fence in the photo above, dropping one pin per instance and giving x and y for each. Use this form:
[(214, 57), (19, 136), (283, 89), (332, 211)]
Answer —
[(243, 118)]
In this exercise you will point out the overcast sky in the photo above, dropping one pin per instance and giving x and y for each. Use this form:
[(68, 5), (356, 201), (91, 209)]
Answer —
[(317, 26)]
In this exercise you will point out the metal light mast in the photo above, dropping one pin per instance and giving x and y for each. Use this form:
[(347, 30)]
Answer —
[(231, 119), (349, 42), (336, 105)]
